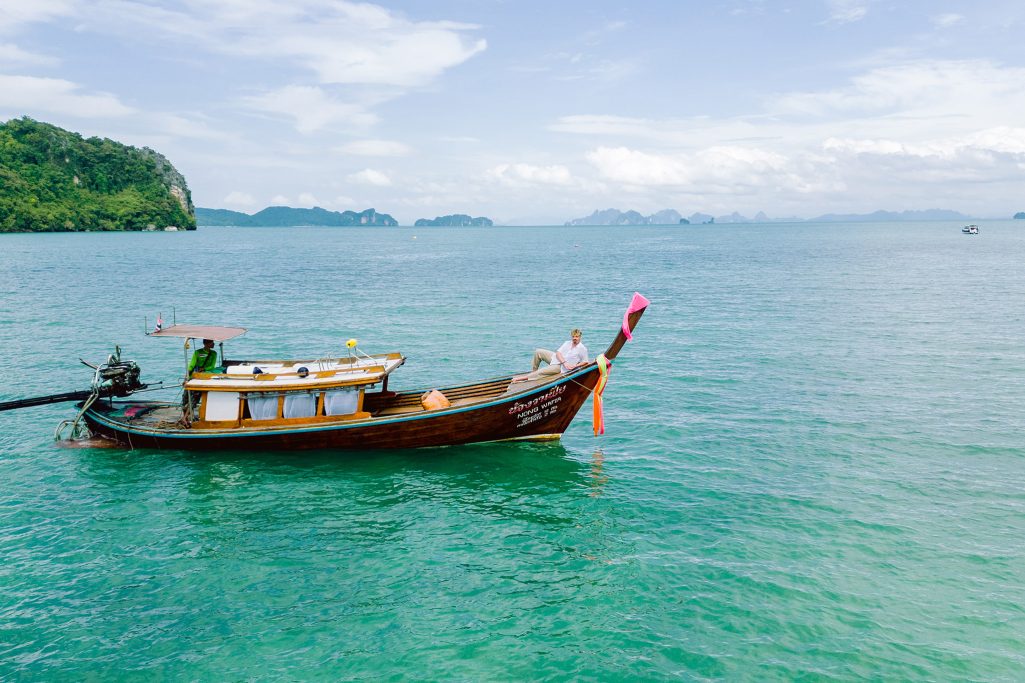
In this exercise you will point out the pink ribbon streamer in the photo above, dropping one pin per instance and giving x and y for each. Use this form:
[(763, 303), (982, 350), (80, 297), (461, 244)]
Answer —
[(636, 304)]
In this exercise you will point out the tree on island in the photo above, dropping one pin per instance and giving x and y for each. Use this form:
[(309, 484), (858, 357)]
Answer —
[(1020, 215), (53, 180), (286, 216), (457, 219)]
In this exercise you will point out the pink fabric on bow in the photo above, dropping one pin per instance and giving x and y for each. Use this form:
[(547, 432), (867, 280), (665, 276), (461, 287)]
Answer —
[(636, 304)]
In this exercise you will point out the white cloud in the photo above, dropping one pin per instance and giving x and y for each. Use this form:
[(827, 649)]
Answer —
[(237, 198), (339, 41), (188, 127), (597, 35), (621, 126), (604, 70), (709, 169), (327, 65), (279, 200), (916, 98), (580, 66), (849, 146), (11, 54), (900, 133), (989, 143), (446, 196), (408, 57), (376, 148), (520, 174), (369, 176), (13, 13), (1002, 140), (847, 11), (922, 100), (307, 199), (29, 94), (311, 108), (639, 168), (947, 20)]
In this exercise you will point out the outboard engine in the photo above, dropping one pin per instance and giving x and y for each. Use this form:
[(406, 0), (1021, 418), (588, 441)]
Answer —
[(117, 377)]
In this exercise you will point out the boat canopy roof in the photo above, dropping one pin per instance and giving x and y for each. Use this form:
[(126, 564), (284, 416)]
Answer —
[(218, 334)]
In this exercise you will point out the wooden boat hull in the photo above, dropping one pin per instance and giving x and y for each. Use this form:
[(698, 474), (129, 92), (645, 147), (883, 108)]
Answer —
[(493, 410), (539, 412)]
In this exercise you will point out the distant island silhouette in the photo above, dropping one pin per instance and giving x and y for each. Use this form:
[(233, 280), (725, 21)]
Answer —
[(458, 219), (673, 217), (289, 217)]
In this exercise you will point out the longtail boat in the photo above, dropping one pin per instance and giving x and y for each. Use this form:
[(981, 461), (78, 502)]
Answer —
[(337, 403)]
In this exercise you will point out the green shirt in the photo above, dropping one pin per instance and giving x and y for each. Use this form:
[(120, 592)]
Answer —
[(203, 360)]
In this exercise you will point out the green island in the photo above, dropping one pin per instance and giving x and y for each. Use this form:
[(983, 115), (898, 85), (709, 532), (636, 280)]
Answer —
[(286, 216), (54, 180), (458, 219), (1020, 215)]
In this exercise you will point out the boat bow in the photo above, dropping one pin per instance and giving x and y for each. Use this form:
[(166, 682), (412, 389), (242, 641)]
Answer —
[(633, 314)]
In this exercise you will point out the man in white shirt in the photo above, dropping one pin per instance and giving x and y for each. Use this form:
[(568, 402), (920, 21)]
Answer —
[(569, 356)]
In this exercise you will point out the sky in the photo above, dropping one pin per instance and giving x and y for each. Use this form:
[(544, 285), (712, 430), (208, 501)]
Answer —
[(535, 113)]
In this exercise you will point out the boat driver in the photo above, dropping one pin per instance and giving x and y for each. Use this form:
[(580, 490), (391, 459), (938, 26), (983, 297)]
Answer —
[(204, 359)]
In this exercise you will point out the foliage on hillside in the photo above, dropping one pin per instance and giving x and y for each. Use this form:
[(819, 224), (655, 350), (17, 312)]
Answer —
[(55, 180), (274, 216), (457, 219)]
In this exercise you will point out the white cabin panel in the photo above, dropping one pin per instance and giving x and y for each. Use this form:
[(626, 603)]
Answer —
[(341, 401), (222, 405)]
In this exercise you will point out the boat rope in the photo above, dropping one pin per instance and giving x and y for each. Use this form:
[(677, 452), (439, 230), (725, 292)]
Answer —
[(604, 365), (78, 430)]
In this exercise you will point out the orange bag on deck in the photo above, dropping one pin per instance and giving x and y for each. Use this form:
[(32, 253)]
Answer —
[(434, 400)]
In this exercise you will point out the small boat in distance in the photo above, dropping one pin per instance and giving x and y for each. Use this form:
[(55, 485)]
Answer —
[(339, 402), (970, 229)]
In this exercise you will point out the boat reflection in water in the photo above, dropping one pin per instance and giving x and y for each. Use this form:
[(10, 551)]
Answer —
[(598, 477)]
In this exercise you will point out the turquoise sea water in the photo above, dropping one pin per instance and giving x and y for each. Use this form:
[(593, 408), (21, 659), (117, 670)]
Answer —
[(814, 465)]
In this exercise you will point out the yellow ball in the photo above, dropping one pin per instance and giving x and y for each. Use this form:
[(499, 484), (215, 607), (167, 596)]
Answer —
[(351, 343)]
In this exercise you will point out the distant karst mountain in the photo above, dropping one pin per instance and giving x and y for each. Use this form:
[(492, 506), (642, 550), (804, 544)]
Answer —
[(671, 217), (456, 219), (54, 180), (286, 216), (884, 216), (617, 217), (664, 217)]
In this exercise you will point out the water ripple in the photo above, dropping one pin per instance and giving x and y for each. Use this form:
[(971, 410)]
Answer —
[(813, 465)]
